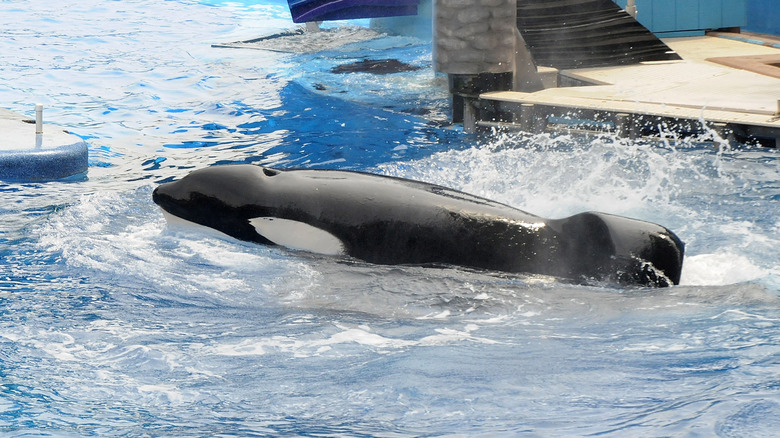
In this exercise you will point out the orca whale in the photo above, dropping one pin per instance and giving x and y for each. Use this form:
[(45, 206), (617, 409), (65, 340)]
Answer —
[(388, 220)]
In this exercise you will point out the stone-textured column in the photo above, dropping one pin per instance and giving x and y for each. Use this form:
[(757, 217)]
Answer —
[(474, 43), (474, 36)]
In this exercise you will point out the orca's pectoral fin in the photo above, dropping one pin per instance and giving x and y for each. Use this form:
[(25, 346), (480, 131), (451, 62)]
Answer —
[(298, 235)]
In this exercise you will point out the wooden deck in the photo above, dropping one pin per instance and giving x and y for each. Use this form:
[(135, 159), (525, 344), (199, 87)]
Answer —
[(693, 91)]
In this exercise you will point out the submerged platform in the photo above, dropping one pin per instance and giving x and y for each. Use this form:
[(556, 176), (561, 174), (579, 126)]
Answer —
[(28, 156), (722, 83)]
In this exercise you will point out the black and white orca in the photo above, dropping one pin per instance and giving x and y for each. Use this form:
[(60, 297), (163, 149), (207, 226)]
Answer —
[(387, 220)]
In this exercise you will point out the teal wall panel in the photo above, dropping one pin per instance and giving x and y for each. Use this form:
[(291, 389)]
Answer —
[(712, 17), (763, 16), (737, 13), (686, 15), (691, 15), (664, 15)]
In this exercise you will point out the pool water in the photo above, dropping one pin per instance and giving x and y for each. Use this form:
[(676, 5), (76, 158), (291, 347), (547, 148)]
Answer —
[(114, 324)]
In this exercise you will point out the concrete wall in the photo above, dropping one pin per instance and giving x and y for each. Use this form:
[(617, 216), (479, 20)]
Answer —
[(474, 36)]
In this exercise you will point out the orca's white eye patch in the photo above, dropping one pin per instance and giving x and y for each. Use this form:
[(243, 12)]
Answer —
[(298, 235)]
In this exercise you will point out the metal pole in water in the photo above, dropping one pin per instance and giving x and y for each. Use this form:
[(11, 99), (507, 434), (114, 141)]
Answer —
[(38, 118), (38, 125)]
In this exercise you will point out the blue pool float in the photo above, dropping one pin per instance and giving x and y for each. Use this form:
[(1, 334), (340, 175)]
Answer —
[(27, 153)]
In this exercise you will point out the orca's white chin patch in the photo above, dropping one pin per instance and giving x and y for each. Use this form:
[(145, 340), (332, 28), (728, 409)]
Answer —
[(176, 223), (298, 235)]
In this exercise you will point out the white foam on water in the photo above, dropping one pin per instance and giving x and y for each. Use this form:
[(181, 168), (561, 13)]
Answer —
[(721, 269), (338, 342), (556, 175), (446, 336), (299, 347)]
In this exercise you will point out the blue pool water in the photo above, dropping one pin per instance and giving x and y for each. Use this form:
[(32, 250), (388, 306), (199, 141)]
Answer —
[(112, 324)]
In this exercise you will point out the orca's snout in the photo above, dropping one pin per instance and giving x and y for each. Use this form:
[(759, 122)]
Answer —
[(160, 194), (166, 196), (156, 195)]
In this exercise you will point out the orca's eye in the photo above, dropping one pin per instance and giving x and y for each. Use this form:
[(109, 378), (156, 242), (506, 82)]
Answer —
[(270, 172)]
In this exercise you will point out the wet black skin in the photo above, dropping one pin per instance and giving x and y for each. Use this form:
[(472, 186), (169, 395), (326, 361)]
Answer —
[(390, 220)]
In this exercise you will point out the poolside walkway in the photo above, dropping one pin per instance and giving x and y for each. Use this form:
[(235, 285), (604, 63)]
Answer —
[(732, 84)]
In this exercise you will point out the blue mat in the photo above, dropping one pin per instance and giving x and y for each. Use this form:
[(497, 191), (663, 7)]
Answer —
[(324, 10)]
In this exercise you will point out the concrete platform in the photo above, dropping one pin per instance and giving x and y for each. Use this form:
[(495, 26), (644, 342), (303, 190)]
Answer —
[(736, 96), (28, 156)]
